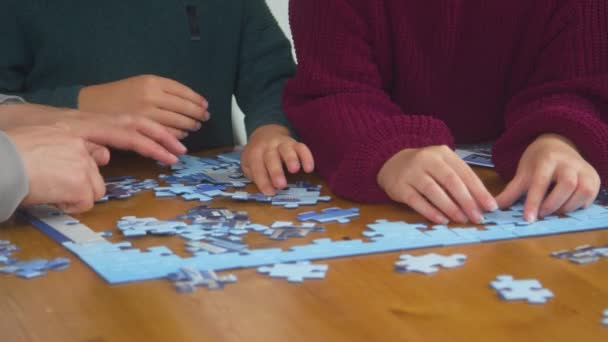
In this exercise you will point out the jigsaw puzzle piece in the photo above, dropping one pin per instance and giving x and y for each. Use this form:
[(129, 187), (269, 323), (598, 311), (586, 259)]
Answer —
[(330, 214), (295, 272), (530, 290), (428, 263)]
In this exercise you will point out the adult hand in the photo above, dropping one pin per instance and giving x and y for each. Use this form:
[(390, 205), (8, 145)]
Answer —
[(551, 159), (270, 147), (61, 168), (126, 132), (436, 183), (163, 100)]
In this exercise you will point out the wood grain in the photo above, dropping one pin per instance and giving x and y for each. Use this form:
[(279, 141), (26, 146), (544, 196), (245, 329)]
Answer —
[(362, 298)]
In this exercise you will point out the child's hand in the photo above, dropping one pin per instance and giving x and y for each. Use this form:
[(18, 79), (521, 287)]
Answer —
[(551, 158), (165, 101), (269, 147), (435, 182)]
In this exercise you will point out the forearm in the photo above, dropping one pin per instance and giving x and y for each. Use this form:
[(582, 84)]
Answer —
[(13, 179), (16, 115)]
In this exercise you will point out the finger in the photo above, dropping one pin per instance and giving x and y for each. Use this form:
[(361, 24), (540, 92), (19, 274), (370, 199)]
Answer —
[(100, 154), (183, 106), (133, 140), (159, 134), (174, 120), (567, 182), (260, 175), (306, 158), (453, 184), (274, 167), (512, 192), (429, 188), (414, 200), (179, 134), (97, 183), (473, 183), (175, 88), (584, 195), (289, 157), (537, 191)]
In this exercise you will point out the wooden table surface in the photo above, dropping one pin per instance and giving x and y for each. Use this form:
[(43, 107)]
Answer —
[(361, 299)]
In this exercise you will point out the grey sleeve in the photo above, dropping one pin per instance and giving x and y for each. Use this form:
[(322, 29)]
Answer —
[(13, 178), (8, 99)]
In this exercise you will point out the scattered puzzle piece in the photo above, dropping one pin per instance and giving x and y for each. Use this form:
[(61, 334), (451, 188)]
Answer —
[(428, 263), (125, 187), (582, 254), (295, 272), (27, 268), (330, 214), (285, 230), (525, 289), (293, 196), (187, 279)]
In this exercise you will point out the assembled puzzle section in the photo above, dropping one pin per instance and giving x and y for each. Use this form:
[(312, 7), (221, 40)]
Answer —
[(221, 230), (530, 290)]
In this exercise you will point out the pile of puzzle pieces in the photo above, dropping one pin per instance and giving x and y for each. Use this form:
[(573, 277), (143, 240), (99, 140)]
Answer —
[(27, 269), (293, 196), (125, 187), (582, 254)]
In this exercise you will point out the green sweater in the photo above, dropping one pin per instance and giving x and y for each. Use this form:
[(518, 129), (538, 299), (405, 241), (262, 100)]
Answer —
[(53, 48)]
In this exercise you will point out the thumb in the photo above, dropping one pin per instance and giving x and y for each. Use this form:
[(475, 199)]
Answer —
[(99, 153)]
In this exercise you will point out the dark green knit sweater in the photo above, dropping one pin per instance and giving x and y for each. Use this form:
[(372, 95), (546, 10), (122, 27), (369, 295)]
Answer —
[(52, 48)]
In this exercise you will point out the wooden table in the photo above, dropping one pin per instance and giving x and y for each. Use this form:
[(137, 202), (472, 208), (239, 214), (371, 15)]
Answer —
[(361, 299)]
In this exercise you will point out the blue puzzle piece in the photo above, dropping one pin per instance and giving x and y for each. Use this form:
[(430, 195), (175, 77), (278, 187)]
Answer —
[(526, 289), (428, 263), (188, 278), (605, 317), (295, 272), (330, 214)]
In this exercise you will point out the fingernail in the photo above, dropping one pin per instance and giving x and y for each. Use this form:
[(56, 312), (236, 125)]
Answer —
[(207, 116), (444, 220), (205, 103), (184, 135), (198, 126), (478, 217), (182, 147), (492, 205), (531, 217)]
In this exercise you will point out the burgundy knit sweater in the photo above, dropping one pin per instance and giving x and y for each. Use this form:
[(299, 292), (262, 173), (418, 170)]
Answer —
[(376, 77)]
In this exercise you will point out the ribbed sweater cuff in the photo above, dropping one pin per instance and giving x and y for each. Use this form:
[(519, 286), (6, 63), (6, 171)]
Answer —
[(584, 129), (356, 176)]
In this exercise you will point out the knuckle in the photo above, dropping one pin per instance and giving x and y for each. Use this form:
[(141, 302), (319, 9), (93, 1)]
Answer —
[(569, 182), (452, 180)]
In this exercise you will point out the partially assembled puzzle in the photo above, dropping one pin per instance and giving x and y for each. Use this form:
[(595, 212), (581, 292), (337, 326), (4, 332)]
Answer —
[(213, 236)]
